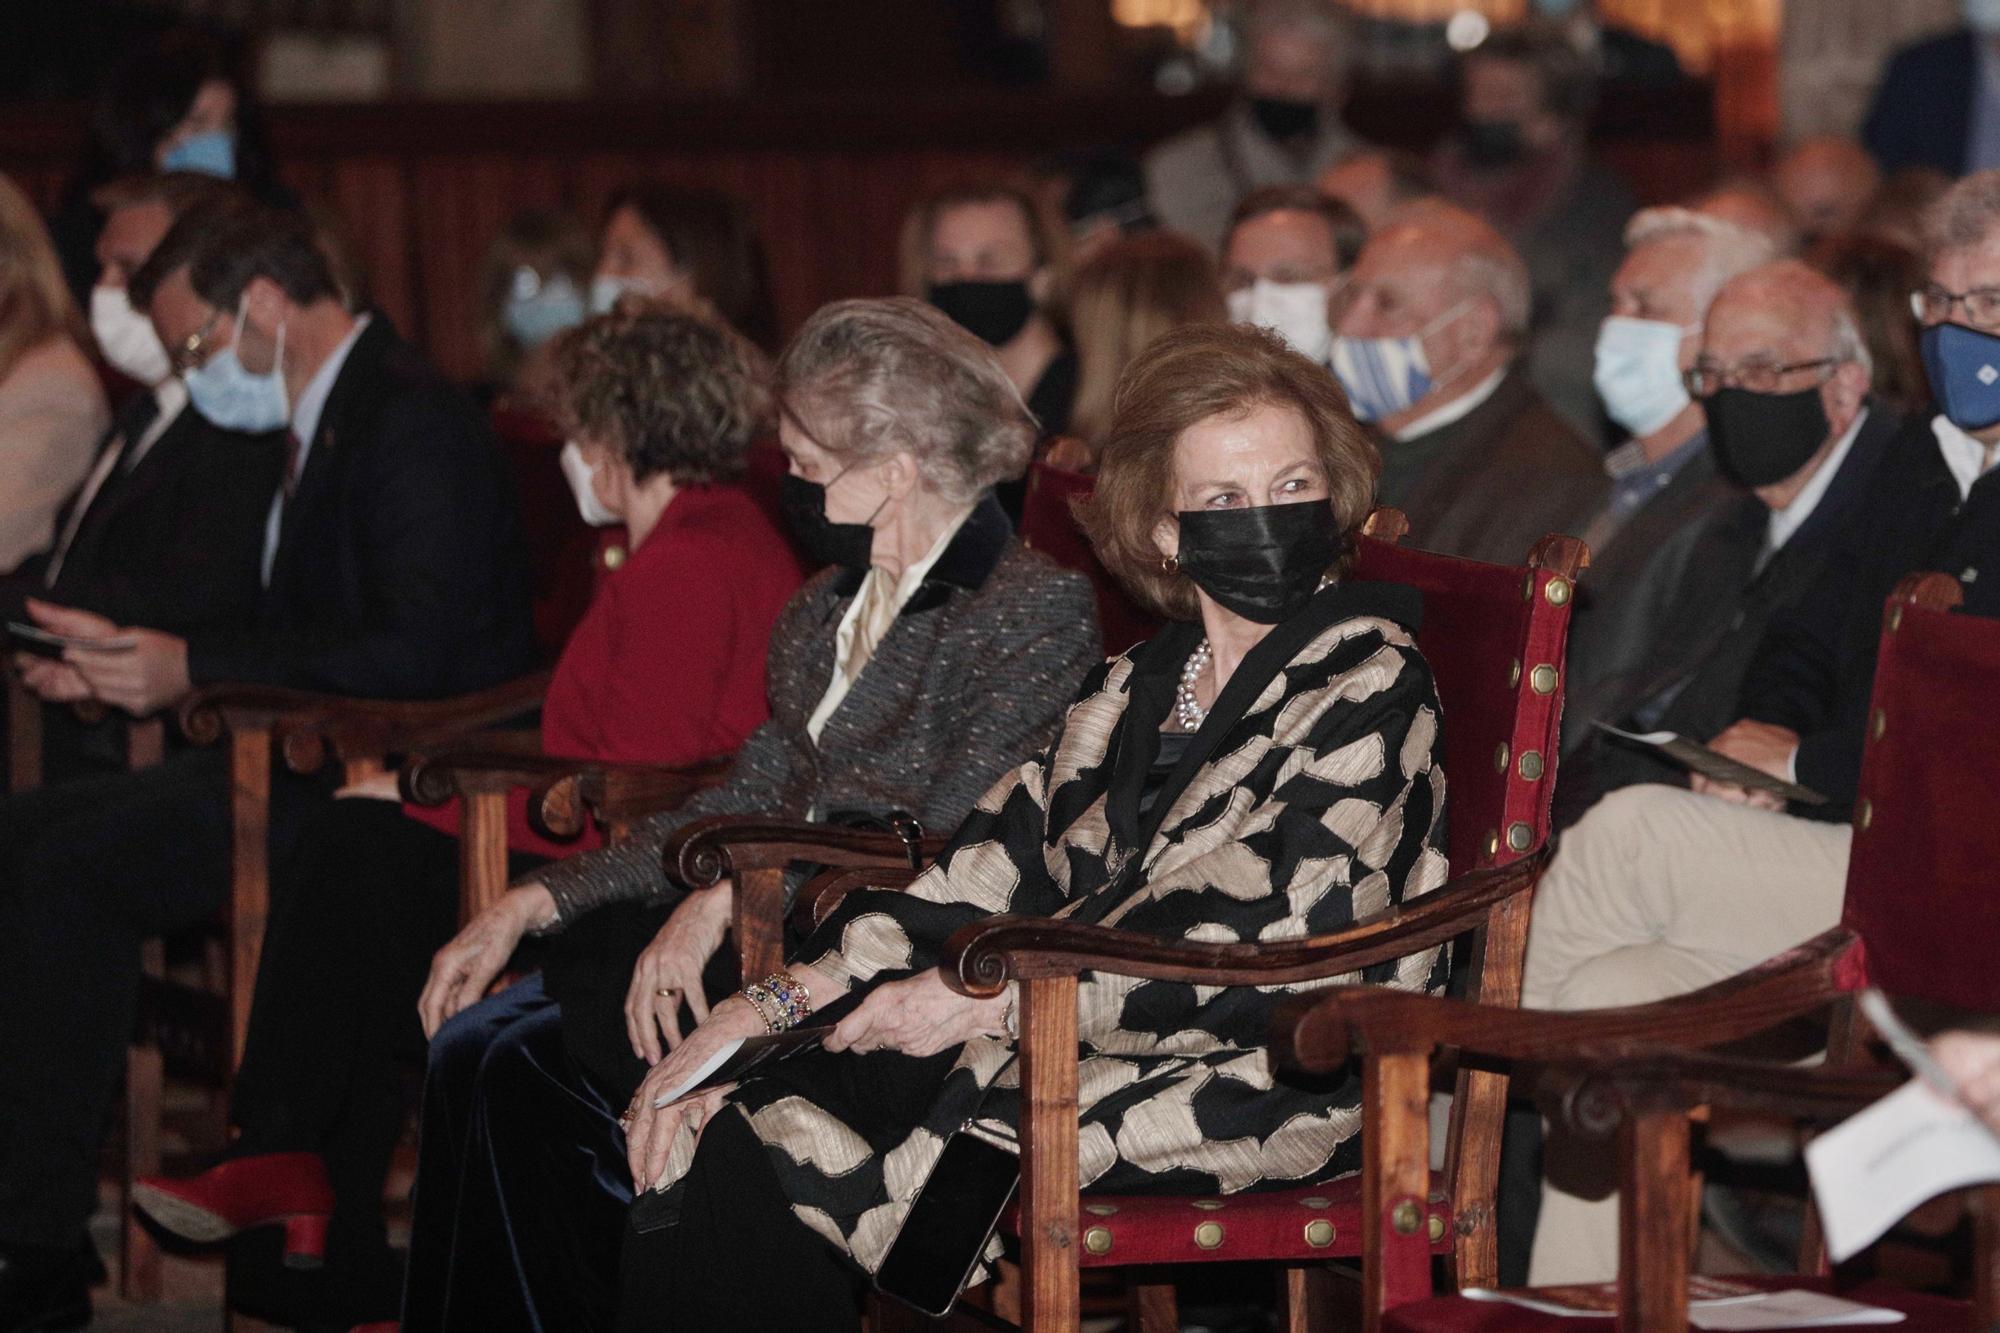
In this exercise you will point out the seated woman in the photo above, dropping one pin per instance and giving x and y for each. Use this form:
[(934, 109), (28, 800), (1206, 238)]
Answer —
[(933, 656), (667, 666), (1266, 768)]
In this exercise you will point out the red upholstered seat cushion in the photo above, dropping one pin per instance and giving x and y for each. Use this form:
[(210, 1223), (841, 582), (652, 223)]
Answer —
[(1312, 1222), (1456, 1314)]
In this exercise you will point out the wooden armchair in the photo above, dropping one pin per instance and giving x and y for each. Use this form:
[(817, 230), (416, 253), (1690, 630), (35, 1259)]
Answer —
[(1494, 636), (1917, 921), (145, 737)]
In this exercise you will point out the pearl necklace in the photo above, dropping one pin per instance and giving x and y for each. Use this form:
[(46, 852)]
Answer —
[(1187, 710)]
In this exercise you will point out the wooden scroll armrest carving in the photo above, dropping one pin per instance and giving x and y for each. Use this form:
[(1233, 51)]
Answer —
[(1320, 1031), (983, 957), (309, 726), (823, 892), (722, 846), (1598, 1092), (565, 794)]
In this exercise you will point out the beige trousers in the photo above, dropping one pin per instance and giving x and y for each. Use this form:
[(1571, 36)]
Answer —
[(1656, 892)]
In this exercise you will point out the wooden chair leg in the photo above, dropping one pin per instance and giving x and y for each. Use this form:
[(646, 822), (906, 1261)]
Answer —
[(1307, 1299), (1986, 1257), (139, 1258), (24, 737), (1395, 1181), (1653, 1258), (482, 853), (1050, 1273), (1152, 1307)]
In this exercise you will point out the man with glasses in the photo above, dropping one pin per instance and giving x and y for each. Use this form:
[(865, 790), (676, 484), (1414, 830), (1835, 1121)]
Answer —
[(1659, 891), (392, 568)]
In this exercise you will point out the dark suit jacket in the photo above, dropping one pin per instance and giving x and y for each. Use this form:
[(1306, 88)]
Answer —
[(400, 570), (1707, 634), (1622, 601), (1492, 483), (1815, 669), (172, 543), (969, 682), (1922, 112)]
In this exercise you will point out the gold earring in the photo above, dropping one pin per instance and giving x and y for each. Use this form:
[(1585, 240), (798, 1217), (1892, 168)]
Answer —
[(1170, 564)]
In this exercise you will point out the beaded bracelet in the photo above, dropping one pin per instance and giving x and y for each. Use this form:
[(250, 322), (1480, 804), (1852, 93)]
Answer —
[(780, 1000)]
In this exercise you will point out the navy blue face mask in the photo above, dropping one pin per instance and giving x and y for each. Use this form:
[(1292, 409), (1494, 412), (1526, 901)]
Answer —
[(1963, 366)]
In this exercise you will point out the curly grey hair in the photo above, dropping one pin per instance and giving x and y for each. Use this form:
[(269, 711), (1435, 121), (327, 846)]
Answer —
[(1964, 215), (1729, 247), (867, 378)]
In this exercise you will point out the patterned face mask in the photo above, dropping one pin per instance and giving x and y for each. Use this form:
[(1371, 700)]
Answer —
[(1384, 376)]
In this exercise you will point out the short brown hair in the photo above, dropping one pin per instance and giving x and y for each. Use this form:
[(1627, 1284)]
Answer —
[(913, 245), (1186, 377), (669, 392), (1346, 225)]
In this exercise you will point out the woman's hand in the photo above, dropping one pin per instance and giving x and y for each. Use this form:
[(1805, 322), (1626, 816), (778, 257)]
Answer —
[(650, 1130), (918, 1016), (465, 967), (670, 970), (1973, 1061)]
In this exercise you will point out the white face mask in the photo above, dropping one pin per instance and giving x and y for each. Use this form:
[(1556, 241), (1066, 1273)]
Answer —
[(606, 291), (1638, 371), (126, 337), (580, 475), (1295, 311), (1983, 17)]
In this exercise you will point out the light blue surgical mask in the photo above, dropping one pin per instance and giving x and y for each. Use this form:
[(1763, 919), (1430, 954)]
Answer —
[(539, 308), (211, 154), (234, 398), (1637, 371), (1385, 376)]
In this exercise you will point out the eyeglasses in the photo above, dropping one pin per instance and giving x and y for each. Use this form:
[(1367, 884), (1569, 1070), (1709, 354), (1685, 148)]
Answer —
[(1705, 377), (1933, 305), (194, 349)]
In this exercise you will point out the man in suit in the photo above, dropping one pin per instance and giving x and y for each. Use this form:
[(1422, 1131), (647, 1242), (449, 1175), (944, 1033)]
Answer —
[(1284, 130), (167, 527), (1428, 347), (392, 568), (1659, 890), (1936, 105)]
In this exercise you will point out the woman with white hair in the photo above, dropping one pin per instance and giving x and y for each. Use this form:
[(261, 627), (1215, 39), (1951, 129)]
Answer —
[(933, 655)]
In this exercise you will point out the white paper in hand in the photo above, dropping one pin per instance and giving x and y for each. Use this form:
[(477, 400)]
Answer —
[(1874, 1167)]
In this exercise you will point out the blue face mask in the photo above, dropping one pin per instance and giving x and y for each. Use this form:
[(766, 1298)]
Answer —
[(1963, 366), (539, 308), (237, 399), (1384, 376), (211, 154)]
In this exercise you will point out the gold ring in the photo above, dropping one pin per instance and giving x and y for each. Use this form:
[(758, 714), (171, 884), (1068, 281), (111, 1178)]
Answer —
[(666, 992)]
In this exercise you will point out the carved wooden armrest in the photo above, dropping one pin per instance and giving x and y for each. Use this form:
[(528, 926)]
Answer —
[(308, 726), (1320, 1031), (983, 957), (567, 793), (1599, 1092), (822, 893), (724, 846)]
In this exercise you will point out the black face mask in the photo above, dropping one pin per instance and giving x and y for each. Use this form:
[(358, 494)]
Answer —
[(1759, 439), (803, 503), (1281, 118), (1492, 143), (991, 311), (1264, 563)]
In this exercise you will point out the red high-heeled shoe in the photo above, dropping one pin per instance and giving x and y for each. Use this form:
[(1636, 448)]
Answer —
[(271, 1189)]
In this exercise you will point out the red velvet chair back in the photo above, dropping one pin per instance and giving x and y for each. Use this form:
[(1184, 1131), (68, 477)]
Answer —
[(1923, 884), (1048, 525), (1494, 636)]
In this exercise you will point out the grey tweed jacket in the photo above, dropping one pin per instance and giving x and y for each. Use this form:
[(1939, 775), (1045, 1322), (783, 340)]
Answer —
[(969, 682)]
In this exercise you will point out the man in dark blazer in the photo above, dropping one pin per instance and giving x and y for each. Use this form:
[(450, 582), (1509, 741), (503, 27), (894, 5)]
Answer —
[(168, 525), (1929, 108), (392, 567), (1471, 452), (1658, 891)]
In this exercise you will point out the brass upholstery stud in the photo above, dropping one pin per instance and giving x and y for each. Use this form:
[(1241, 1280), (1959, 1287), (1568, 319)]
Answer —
[(1500, 758), (1557, 592), (1514, 674), (1520, 837), (1878, 724), (1319, 1233), (1864, 814), (1101, 1209), (1097, 1240), (1437, 1227), (1316, 1202), (1208, 1236), (1528, 587), (1492, 842), (1406, 1217), (1544, 678), (1531, 766), (1895, 618), (1209, 1205)]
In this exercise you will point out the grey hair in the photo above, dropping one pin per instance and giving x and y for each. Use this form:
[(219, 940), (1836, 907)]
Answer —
[(1481, 262), (868, 378), (1964, 215), (1730, 248), (1848, 344), (1316, 19)]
